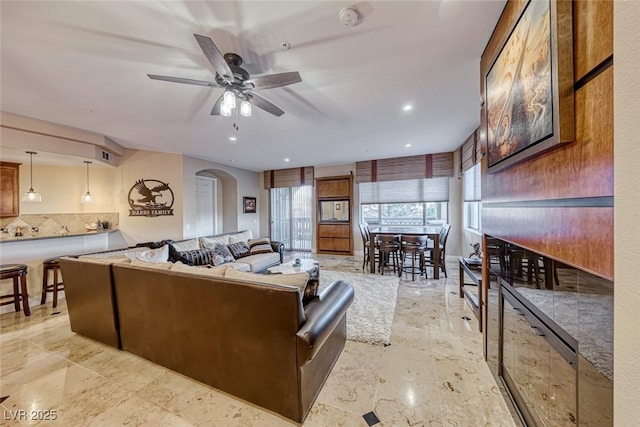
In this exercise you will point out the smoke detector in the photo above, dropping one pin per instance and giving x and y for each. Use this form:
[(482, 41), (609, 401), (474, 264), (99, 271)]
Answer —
[(349, 16)]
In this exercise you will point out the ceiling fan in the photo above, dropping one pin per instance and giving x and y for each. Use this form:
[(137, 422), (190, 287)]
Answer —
[(236, 82)]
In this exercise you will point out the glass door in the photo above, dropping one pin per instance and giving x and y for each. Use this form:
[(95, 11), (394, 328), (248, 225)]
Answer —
[(291, 217)]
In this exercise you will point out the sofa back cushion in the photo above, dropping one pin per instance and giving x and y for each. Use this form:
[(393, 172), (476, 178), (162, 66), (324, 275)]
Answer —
[(211, 242), (242, 236), (151, 255), (187, 245)]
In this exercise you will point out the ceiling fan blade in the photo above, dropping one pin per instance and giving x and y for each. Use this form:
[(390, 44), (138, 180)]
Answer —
[(215, 111), (267, 106), (181, 80), (273, 80), (215, 57)]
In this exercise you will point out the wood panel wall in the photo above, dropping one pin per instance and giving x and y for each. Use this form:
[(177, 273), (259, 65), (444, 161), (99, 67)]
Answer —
[(560, 203)]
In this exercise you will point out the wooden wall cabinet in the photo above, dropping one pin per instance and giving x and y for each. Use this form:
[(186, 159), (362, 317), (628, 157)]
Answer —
[(334, 215), (9, 189)]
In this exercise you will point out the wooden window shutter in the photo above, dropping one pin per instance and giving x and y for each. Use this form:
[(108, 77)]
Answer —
[(293, 177), (403, 168)]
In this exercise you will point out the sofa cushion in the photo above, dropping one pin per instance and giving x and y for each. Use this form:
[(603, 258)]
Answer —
[(242, 236), (260, 246), (298, 280), (260, 262), (239, 266), (187, 245), (194, 257), (220, 254), (210, 242), (114, 254), (239, 249), (201, 271)]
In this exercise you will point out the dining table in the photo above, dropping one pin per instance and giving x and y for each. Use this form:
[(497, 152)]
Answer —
[(432, 232)]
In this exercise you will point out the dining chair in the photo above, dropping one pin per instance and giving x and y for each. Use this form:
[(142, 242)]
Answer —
[(414, 246), (366, 240), (389, 249), (444, 234)]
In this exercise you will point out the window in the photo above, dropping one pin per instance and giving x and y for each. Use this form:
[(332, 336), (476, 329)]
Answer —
[(406, 202), (472, 198), (416, 214), (291, 212)]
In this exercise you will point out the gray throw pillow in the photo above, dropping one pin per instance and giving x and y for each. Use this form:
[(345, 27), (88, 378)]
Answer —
[(220, 254)]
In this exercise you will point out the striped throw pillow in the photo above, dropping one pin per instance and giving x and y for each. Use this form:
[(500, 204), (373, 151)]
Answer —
[(260, 246), (239, 250), (195, 257)]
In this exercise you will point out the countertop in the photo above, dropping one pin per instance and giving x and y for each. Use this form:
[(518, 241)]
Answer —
[(7, 238)]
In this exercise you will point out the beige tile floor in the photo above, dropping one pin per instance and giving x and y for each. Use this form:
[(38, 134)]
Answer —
[(433, 373)]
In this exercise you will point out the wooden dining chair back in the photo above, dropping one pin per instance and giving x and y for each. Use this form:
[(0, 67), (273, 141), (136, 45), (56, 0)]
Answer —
[(414, 247), (389, 249), (443, 236), (364, 232)]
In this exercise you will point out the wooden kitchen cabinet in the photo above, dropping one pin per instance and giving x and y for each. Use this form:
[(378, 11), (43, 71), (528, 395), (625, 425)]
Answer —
[(9, 189), (334, 215)]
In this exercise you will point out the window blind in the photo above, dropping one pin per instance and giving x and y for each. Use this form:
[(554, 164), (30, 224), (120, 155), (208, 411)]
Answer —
[(472, 187), (405, 191), (293, 177), (404, 168), (470, 152)]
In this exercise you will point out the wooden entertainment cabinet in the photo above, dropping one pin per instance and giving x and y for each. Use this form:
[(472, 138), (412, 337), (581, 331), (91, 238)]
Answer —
[(334, 215)]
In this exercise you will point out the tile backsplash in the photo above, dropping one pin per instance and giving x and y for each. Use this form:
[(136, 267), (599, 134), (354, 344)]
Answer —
[(52, 224)]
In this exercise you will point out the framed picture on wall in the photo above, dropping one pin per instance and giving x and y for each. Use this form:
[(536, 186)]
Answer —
[(249, 204), (529, 87)]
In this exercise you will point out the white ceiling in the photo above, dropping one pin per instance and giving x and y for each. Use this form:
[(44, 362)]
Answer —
[(84, 64)]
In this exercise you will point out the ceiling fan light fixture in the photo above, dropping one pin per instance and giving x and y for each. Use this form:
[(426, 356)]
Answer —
[(229, 99), (245, 109), (225, 110), (349, 16)]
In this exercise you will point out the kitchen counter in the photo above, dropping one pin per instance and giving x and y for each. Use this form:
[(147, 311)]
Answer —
[(8, 238)]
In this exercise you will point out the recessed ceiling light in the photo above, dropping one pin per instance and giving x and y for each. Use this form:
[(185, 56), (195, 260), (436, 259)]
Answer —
[(407, 145), (407, 107), (233, 138), (286, 159), (233, 161)]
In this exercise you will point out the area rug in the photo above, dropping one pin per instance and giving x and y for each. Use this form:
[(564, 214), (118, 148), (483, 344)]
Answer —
[(370, 316)]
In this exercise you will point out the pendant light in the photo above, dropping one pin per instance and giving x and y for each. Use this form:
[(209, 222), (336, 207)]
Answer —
[(87, 197), (31, 196)]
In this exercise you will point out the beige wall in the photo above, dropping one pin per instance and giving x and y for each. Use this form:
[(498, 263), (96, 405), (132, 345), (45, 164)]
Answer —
[(62, 186), (240, 183), (150, 165), (627, 215)]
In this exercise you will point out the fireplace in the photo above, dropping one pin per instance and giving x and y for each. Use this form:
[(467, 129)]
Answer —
[(550, 338)]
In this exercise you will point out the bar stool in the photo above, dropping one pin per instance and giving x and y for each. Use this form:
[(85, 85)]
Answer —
[(51, 264), (414, 246), (15, 272), (389, 249)]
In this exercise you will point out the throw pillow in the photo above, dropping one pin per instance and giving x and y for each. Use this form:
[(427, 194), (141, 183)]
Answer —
[(220, 254), (260, 246), (187, 245), (242, 236), (210, 242), (239, 250), (194, 257), (152, 255), (298, 280)]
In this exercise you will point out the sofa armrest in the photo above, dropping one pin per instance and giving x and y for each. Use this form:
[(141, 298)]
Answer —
[(278, 247), (323, 314)]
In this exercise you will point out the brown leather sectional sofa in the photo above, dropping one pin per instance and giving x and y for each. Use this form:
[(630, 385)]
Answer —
[(253, 340)]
